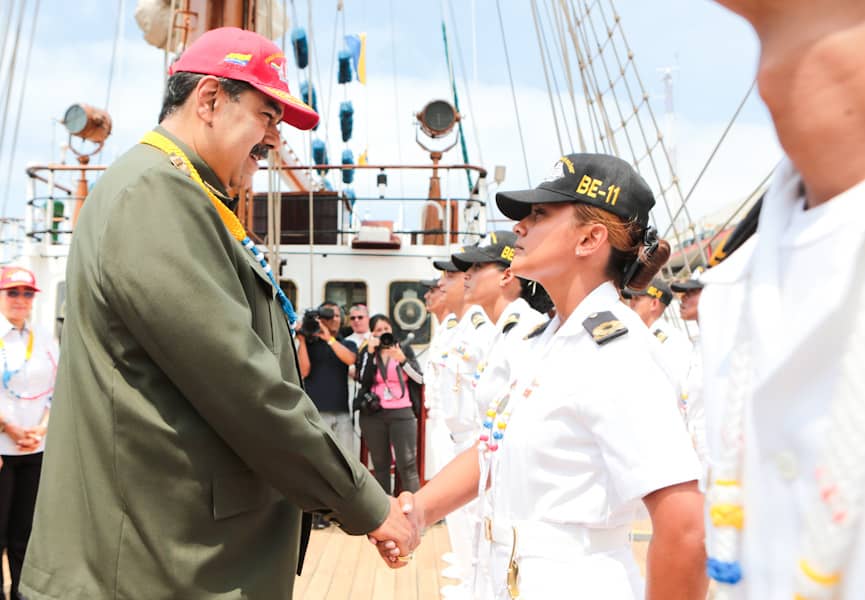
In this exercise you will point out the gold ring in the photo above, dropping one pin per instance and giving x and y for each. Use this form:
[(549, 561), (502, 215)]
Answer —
[(405, 558)]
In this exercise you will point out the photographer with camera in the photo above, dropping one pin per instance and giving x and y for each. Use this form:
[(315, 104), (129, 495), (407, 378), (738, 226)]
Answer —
[(389, 401), (324, 357)]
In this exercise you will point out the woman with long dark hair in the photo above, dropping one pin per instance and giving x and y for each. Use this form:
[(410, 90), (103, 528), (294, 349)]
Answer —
[(588, 429), (391, 374)]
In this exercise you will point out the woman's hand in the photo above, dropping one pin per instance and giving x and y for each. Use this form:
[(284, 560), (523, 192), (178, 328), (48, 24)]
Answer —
[(388, 549), (22, 438), (372, 344), (395, 352)]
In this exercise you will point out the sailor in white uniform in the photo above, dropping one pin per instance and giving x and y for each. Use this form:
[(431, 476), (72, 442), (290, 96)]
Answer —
[(691, 402), (439, 448), (490, 284), (464, 348), (650, 304), (783, 327), (590, 427)]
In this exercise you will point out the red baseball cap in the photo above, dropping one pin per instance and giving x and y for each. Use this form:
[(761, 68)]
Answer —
[(13, 277), (246, 56)]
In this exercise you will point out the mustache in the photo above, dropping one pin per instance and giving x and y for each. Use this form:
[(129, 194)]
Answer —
[(259, 151)]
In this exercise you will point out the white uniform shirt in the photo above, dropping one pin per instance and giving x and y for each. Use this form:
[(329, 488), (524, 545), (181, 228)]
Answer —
[(792, 288), (599, 431), (29, 388), (494, 373), (468, 346), (439, 447)]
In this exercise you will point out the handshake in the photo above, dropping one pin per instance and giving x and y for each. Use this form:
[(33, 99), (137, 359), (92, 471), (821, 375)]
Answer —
[(399, 535)]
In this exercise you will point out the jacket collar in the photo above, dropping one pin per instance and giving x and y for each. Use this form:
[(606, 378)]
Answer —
[(207, 175), (600, 299), (6, 327)]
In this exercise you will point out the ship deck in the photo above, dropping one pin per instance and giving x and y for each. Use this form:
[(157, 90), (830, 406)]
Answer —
[(343, 567)]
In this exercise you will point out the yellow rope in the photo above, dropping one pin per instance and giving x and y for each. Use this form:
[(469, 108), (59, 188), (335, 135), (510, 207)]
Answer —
[(831, 579), (727, 515), (232, 223)]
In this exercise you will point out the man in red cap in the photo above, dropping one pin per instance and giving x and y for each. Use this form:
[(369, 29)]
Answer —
[(183, 447)]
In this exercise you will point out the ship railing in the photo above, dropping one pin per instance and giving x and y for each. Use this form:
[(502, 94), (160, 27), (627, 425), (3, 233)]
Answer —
[(54, 198)]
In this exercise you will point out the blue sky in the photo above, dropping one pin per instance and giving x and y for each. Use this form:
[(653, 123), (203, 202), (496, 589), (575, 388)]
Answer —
[(714, 53)]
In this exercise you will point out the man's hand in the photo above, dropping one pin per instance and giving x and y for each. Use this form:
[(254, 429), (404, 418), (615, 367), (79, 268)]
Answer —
[(398, 536), (323, 332), (372, 344)]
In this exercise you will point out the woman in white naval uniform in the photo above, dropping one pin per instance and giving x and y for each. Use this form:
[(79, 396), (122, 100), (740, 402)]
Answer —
[(589, 427)]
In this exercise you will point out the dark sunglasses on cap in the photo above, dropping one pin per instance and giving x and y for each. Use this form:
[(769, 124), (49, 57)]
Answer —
[(16, 293)]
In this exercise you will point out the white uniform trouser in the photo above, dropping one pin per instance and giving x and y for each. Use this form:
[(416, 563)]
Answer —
[(462, 522), (563, 561)]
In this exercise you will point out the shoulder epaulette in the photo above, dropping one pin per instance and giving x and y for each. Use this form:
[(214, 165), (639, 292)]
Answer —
[(604, 326), (538, 330), (662, 337), (452, 322), (478, 319), (512, 320)]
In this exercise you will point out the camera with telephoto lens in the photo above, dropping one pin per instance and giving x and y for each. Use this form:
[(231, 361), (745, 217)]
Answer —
[(386, 340), (309, 326)]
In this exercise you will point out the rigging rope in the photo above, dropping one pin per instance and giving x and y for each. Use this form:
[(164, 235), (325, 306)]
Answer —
[(11, 80), (587, 96), (513, 92), (397, 112), (566, 65), (117, 28), (547, 77), (549, 56), (19, 110), (718, 144), (468, 95), (6, 23), (453, 82)]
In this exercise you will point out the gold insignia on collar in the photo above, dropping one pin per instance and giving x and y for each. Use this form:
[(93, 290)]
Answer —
[(178, 163), (478, 319), (662, 337), (452, 323)]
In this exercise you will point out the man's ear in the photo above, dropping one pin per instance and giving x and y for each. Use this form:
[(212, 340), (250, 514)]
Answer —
[(205, 96)]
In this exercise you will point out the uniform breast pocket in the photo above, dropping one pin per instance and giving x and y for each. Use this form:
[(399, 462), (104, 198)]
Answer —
[(263, 303)]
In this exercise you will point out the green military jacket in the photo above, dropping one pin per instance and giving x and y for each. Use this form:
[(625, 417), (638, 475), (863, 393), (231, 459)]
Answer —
[(181, 447)]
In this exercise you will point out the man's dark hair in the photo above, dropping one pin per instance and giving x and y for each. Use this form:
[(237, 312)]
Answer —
[(180, 85)]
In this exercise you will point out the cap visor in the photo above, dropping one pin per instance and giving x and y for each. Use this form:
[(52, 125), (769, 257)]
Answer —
[(518, 204), (685, 286), (445, 265), (472, 256), (429, 282), (295, 112)]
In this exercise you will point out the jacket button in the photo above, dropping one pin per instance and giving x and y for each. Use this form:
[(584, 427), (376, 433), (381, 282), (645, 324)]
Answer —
[(787, 465)]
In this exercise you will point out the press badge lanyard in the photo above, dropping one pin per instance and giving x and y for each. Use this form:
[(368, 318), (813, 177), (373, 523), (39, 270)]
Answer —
[(232, 223)]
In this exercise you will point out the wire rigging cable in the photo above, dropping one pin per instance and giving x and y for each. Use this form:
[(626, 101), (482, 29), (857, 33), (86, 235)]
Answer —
[(513, 92), (547, 77), (453, 83), (558, 94), (20, 110), (562, 46)]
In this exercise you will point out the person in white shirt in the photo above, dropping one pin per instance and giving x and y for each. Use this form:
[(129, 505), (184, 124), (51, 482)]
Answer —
[(782, 323), (650, 304), (29, 362), (491, 284), (590, 430), (466, 348)]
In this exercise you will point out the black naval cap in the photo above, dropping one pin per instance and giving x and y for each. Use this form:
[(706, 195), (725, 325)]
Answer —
[(687, 285), (446, 265), (599, 180), (657, 289), (430, 283), (496, 247)]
